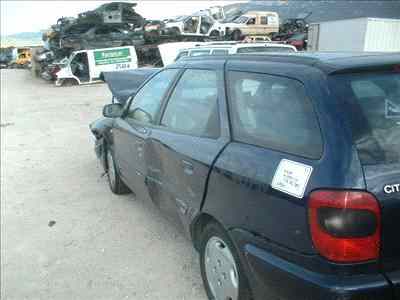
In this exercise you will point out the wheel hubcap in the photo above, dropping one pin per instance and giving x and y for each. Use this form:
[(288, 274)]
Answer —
[(221, 270), (111, 168)]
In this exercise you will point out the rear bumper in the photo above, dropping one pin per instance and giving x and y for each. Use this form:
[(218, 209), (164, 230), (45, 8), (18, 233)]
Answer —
[(272, 277)]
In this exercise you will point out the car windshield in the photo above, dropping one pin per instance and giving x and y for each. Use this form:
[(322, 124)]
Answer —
[(373, 102), (241, 20), (262, 49)]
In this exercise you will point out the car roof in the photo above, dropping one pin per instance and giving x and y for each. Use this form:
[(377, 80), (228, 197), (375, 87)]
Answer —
[(328, 62)]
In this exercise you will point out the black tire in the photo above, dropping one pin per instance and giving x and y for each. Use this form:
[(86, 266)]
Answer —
[(214, 34), (117, 186), (236, 35), (213, 230), (175, 32)]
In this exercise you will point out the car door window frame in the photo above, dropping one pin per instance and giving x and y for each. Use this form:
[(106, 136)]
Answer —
[(220, 95), (157, 117)]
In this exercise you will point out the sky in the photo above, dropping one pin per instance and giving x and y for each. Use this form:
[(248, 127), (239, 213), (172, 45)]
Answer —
[(33, 16)]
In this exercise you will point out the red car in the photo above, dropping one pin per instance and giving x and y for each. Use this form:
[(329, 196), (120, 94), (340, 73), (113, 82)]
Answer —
[(299, 40)]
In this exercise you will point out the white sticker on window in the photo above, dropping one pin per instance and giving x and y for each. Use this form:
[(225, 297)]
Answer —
[(392, 110), (291, 178)]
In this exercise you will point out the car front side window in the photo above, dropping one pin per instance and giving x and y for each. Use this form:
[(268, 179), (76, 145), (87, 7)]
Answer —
[(193, 106), (146, 103)]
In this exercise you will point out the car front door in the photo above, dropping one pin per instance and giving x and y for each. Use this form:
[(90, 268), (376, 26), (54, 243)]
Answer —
[(131, 132), (205, 25), (190, 136), (250, 28)]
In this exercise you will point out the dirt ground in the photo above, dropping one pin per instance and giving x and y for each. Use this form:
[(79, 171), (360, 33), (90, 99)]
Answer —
[(63, 234)]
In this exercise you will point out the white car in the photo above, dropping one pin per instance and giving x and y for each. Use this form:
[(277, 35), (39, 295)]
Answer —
[(200, 24), (228, 48)]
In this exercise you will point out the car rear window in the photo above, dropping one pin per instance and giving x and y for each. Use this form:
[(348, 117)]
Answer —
[(273, 112), (373, 103)]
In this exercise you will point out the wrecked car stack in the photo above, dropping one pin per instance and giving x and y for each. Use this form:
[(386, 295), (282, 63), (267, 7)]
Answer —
[(110, 25), (117, 24)]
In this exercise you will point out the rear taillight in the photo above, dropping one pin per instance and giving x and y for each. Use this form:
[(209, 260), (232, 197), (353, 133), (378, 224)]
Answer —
[(345, 225)]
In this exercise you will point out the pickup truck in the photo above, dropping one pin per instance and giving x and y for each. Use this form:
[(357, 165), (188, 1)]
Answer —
[(283, 169)]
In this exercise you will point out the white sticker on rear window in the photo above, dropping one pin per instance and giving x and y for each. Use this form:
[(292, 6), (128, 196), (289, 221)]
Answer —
[(291, 178), (392, 110)]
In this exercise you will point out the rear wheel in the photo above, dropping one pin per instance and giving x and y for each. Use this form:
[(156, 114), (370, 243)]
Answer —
[(223, 276), (115, 182)]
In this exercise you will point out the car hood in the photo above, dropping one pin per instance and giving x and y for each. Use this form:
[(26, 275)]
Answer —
[(124, 84)]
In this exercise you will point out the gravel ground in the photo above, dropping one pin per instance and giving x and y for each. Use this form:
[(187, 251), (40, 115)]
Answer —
[(63, 234)]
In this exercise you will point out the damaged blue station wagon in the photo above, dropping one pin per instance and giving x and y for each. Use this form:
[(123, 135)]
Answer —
[(283, 169)]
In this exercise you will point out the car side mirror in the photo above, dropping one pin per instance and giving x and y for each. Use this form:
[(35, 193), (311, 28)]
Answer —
[(113, 110)]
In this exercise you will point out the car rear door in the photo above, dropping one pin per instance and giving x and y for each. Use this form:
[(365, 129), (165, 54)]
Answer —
[(190, 136), (372, 101), (263, 177), (133, 130)]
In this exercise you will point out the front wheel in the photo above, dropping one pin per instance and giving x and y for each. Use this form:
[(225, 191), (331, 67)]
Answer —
[(223, 276), (115, 182)]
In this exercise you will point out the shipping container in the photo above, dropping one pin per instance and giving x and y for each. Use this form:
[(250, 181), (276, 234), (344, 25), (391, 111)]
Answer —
[(360, 34)]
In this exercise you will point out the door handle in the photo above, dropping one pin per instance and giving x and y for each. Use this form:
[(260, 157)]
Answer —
[(187, 167), (142, 130)]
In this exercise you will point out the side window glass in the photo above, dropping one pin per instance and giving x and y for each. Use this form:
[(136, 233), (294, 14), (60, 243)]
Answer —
[(147, 101), (273, 112), (251, 21), (220, 52), (263, 20), (199, 52), (366, 89), (193, 106)]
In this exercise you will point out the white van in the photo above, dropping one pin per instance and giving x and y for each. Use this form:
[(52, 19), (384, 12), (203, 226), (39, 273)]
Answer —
[(86, 66)]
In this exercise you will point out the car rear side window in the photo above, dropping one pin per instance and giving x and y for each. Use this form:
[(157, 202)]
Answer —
[(373, 103), (193, 107), (273, 112)]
